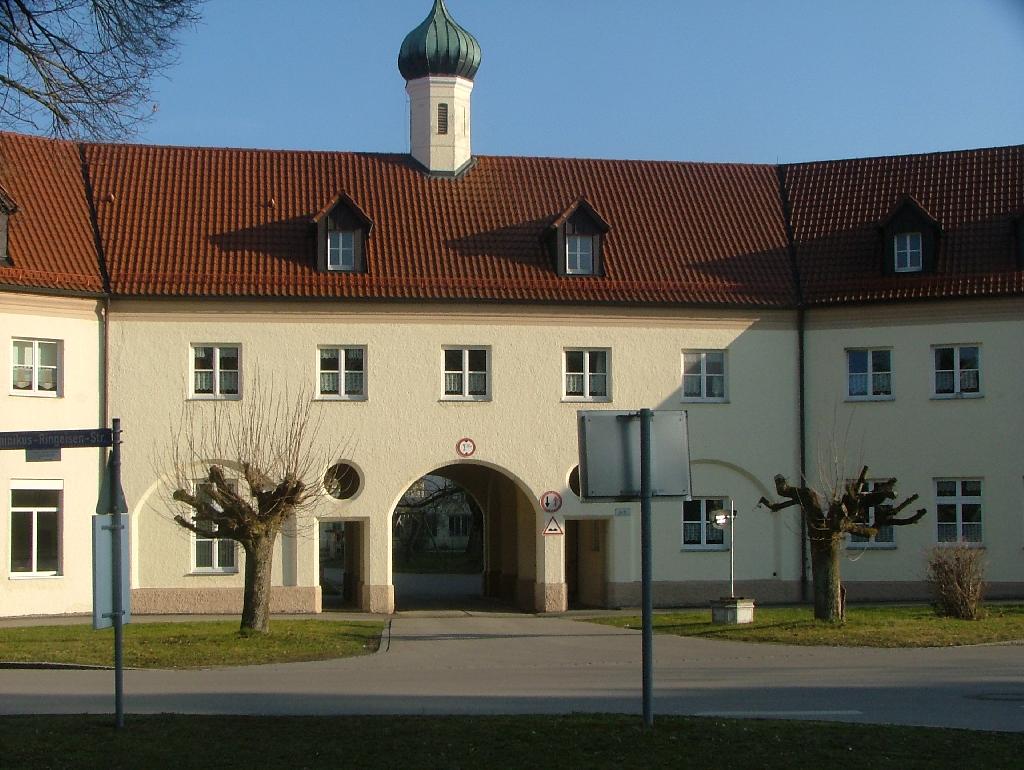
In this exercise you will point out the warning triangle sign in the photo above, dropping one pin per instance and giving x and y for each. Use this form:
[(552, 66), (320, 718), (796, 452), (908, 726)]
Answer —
[(552, 528)]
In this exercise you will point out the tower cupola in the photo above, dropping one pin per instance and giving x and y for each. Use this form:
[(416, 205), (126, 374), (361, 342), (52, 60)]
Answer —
[(439, 60), (439, 46)]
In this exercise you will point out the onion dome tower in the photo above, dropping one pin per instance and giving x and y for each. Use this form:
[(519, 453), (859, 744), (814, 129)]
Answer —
[(439, 60)]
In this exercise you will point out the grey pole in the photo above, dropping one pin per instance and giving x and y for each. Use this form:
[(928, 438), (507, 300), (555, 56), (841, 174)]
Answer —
[(645, 570), (732, 549), (118, 609)]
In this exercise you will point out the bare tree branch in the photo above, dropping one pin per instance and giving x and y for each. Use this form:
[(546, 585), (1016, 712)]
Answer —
[(82, 68)]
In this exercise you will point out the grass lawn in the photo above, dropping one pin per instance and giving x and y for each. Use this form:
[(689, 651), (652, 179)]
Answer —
[(866, 626), (190, 645), (582, 741)]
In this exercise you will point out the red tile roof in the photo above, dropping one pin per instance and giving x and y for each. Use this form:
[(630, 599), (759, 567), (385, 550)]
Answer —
[(188, 221), (974, 196), (178, 221), (50, 238)]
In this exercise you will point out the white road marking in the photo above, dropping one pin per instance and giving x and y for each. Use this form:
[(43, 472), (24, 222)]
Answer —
[(778, 713)]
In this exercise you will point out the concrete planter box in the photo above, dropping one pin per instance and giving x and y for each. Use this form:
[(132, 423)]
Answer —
[(732, 610)]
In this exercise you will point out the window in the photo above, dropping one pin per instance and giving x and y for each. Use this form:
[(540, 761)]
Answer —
[(958, 510), (442, 118), (579, 255), (215, 371), (342, 372), (35, 369), (704, 375), (459, 525), (209, 552), (466, 374), (886, 537), (958, 370), (586, 375), (907, 249), (341, 250), (698, 531), (35, 531), (869, 374)]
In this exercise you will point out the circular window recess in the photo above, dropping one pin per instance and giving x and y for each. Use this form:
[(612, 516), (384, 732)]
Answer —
[(574, 480), (342, 481)]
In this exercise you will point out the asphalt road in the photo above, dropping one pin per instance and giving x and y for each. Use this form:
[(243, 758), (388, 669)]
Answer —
[(498, 664)]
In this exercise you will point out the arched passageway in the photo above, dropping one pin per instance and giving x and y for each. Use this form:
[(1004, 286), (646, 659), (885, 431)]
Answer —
[(463, 537)]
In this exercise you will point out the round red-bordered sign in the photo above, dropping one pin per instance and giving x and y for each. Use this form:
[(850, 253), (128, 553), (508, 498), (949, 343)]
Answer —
[(465, 447), (551, 501)]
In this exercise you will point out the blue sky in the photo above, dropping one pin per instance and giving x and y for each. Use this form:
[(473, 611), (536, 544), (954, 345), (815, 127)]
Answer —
[(705, 80)]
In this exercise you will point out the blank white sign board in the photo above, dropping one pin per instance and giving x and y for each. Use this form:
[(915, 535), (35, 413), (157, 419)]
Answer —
[(609, 447)]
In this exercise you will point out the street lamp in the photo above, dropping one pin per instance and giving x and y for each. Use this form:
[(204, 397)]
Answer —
[(722, 519)]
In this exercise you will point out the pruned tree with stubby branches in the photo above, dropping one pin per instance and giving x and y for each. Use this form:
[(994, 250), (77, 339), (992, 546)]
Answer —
[(849, 507), (82, 68), (240, 470)]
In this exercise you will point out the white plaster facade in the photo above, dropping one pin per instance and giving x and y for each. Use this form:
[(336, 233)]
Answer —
[(75, 324), (526, 430)]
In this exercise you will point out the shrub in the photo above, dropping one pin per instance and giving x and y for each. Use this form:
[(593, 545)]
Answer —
[(956, 574)]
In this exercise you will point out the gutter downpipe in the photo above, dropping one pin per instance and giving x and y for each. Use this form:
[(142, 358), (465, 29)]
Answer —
[(801, 322)]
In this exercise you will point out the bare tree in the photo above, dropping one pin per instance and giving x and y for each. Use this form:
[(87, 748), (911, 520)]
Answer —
[(851, 507), (241, 470), (82, 67)]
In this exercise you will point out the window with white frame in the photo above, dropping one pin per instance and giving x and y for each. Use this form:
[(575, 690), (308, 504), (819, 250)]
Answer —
[(209, 552), (907, 249), (35, 529), (704, 375), (586, 375), (341, 372), (698, 529), (886, 536), (341, 250), (215, 370), (957, 370), (466, 374), (869, 374), (579, 254), (35, 367), (958, 510)]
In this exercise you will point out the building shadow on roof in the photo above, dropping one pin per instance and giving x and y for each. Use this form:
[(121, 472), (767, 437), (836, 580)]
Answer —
[(519, 242), (289, 240)]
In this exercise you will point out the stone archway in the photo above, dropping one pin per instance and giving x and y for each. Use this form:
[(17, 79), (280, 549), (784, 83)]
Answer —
[(463, 536)]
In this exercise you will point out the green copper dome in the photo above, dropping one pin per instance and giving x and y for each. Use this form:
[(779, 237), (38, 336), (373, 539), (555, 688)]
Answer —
[(439, 46)]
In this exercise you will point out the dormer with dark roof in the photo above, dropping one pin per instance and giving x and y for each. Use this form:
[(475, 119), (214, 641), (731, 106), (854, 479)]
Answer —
[(342, 229), (910, 238), (7, 207), (577, 240)]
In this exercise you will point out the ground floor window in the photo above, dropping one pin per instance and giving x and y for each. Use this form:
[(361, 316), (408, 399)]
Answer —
[(35, 531), (209, 552), (958, 510), (698, 531), (886, 537)]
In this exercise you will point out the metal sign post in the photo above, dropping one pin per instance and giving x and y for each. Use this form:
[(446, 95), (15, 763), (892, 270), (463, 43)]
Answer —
[(646, 566), (109, 595), (619, 462)]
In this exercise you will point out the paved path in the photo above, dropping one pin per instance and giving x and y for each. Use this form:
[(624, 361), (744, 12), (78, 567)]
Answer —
[(490, 664)]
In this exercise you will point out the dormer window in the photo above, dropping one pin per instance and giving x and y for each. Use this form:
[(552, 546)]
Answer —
[(7, 207), (577, 237), (342, 231), (910, 239), (579, 254), (341, 250), (907, 248)]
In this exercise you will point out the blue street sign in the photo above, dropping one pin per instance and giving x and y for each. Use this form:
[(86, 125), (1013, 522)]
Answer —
[(56, 439)]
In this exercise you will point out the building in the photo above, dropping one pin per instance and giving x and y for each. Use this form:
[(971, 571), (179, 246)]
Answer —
[(871, 308)]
